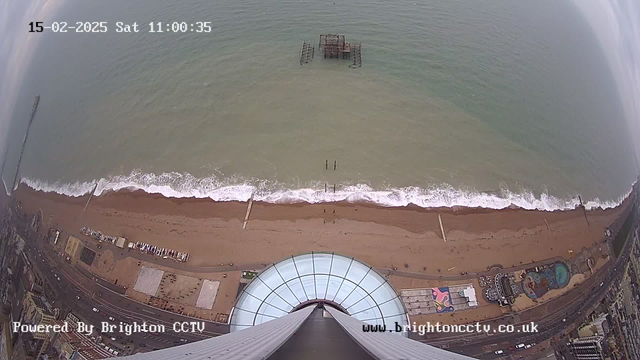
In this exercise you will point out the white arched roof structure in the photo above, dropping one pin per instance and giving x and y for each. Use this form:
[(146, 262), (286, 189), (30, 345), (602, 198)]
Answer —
[(342, 282)]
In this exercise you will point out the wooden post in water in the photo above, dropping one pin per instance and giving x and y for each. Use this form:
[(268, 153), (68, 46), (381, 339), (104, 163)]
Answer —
[(334, 188), (335, 164), (90, 197), (326, 164)]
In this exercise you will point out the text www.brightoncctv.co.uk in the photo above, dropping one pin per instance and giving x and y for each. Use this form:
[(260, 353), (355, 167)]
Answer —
[(428, 327)]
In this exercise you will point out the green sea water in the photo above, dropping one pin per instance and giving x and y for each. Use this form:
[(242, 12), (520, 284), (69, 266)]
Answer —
[(482, 103)]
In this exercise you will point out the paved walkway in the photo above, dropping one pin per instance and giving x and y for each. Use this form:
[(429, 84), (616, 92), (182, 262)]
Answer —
[(493, 270)]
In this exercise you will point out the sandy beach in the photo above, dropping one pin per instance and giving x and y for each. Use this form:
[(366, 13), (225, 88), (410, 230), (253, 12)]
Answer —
[(407, 238)]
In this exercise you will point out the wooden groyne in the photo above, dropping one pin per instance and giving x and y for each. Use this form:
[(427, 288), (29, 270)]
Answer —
[(307, 52), (24, 142), (90, 197), (246, 216)]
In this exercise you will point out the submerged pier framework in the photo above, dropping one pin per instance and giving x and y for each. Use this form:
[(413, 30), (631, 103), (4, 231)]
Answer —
[(333, 46), (307, 52)]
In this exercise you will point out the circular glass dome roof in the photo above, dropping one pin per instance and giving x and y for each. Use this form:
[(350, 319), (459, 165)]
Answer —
[(347, 284)]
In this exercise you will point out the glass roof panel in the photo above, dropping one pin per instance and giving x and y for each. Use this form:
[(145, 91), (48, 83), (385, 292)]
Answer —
[(392, 307), (304, 264), (277, 301), (383, 293), (267, 309), (340, 265), (332, 290), (242, 317), (322, 263), (257, 288), (357, 271), (356, 296), (286, 269), (345, 290), (287, 295), (270, 277), (263, 319), (323, 282), (358, 288), (363, 304), (248, 302), (365, 311), (309, 286), (372, 281), (296, 287)]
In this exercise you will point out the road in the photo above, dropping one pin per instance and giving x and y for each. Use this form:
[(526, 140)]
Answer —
[(564, 311), (561, 313), (76, 292)]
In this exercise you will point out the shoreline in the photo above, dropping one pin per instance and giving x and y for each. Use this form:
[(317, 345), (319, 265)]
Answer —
[(408, 238), (144, 202), (458, 209), (443, 196)]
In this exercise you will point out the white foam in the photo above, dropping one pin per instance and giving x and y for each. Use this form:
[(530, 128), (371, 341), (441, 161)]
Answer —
[(178, 185)]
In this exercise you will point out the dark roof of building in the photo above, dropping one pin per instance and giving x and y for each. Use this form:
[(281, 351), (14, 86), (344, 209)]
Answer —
[(85, 346), (42, 304)]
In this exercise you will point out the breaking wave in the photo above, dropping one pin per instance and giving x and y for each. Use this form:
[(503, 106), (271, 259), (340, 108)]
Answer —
[(179, 185)]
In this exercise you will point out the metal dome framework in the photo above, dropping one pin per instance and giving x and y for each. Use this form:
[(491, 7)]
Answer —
[(342, 282)]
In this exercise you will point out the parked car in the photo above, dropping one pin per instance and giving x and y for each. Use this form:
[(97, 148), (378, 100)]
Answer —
[(95, 310)]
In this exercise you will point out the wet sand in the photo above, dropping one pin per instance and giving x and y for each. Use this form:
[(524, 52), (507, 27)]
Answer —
[(408, 238)]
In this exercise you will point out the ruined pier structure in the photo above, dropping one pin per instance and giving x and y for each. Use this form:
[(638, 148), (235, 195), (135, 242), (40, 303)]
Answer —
[(336, 46), (333, 47)]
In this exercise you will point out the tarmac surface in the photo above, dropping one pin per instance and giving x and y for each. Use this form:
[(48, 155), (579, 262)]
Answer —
[(77, 290), (80, 292), (554, 319)]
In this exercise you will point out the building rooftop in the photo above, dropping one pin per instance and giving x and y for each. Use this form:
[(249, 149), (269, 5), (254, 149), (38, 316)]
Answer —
[(85, 346), (41, 304), (344, 283)]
